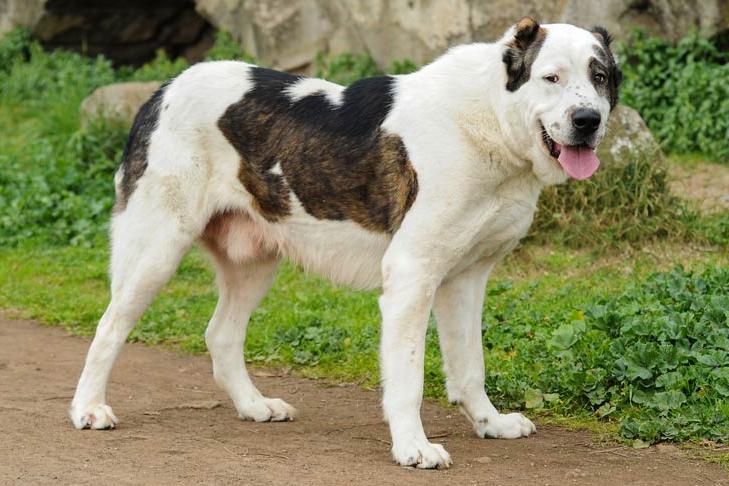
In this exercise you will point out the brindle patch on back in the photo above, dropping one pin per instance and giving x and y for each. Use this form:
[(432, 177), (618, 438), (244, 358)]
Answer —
[(335, 158), (522, 51)]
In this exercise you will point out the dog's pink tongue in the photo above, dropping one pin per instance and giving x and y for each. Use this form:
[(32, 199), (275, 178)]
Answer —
[(578, 162)]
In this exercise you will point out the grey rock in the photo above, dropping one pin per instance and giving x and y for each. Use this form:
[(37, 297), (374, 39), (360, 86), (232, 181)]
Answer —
[(117, 103), (627, 137)]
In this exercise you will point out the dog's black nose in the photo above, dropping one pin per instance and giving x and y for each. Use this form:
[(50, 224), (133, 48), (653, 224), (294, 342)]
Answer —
[(585, 121)]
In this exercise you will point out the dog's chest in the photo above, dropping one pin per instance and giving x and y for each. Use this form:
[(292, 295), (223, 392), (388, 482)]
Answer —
[(510, 216)]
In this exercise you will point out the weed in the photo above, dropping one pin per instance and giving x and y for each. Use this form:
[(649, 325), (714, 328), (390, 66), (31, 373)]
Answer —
[(622, 203), (226, 48), (347, 68), (715, 228)]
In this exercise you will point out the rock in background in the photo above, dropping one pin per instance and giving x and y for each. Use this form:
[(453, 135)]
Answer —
[(628, 138), (117, 103)]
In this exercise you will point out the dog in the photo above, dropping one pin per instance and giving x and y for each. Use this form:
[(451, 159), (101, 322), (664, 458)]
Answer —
[(417, 184)]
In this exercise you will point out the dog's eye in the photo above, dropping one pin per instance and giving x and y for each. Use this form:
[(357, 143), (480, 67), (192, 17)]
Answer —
[(551, 78), (599, 78)]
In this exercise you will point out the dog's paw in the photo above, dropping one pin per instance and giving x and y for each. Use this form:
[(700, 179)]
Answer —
[(97, 417), (421, 454), (267, 410), (505, 426)]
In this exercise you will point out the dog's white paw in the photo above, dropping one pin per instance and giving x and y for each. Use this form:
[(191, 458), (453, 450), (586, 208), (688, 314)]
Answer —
[(505, 426), (267, 410), (97, 417), (422, 454)]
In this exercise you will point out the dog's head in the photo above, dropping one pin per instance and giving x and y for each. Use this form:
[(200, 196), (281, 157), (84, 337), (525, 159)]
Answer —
[(562, 82)]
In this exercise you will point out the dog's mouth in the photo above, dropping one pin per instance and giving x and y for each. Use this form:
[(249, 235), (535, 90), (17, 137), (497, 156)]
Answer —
[(553, 147), (579, 161)]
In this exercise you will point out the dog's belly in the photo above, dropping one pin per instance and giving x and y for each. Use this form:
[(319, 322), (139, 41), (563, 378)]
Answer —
[(342, 251)]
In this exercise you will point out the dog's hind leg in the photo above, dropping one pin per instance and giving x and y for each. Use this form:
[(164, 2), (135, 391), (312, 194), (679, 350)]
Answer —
[(457, 307), (147, 245), (241, 288)]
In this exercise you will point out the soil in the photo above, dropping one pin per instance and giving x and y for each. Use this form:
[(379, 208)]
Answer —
[(705, 183), (178, 428)]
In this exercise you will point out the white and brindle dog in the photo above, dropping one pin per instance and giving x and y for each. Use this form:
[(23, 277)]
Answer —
[(417, 184)]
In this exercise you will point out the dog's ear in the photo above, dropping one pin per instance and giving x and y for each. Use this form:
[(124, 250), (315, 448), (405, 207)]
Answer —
[(526, 32), (603, 36), (521, 51), (615, 75)]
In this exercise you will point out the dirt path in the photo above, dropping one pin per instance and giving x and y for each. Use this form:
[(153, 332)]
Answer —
[(168, 436)]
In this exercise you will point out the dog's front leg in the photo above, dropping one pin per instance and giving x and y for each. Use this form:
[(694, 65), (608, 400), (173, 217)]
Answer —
[(408, 290), (457, 307)]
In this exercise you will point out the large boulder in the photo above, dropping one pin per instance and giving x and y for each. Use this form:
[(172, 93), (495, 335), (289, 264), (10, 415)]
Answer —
[(19, 13), (287, 34), (627, 138), (117, 103), (671, 19)]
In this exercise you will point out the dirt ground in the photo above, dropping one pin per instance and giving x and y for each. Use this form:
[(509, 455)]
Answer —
[(177, 428), (705, 183)]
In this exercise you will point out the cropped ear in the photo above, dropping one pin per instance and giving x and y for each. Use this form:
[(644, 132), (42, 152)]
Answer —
[(615, 75), (521, 52)]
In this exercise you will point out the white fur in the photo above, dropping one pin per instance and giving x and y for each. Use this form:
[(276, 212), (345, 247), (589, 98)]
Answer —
[(480, 163), (309, 86)]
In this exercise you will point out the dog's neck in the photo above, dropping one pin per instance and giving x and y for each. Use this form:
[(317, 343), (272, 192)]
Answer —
[(480, 114)]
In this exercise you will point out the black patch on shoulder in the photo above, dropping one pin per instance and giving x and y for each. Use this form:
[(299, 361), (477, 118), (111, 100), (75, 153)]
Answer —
[(134, 159), (604, 62), (522, 51), (335, 158), (271, 81)]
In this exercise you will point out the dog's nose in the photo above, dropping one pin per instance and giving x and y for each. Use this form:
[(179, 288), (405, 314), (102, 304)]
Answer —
[(585, 121)]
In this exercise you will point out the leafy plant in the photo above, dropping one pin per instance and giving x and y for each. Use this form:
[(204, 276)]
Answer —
[(161, 68), (226, 48), (347, 68), (715, 228), (655, 356), (670, 353), (14, 48), (681, 90), (70, 200)]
